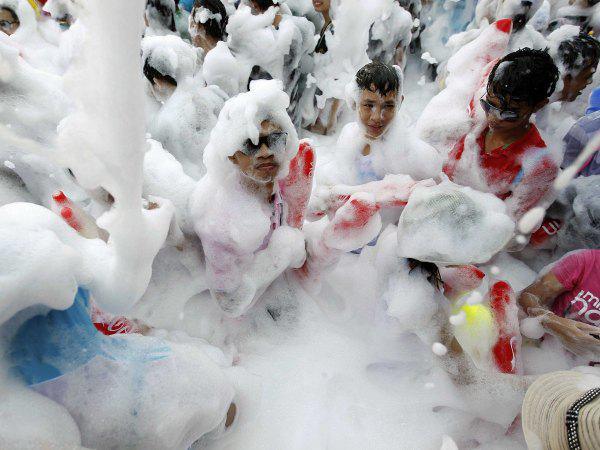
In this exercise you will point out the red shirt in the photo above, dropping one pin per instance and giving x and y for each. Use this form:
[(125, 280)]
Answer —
[(523, 163)]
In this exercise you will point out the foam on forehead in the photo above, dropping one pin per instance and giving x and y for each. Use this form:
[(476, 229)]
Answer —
[(170, 55), (241, 118)]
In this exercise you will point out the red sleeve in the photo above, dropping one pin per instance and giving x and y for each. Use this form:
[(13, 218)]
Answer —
[(453, 158), (536, 183)]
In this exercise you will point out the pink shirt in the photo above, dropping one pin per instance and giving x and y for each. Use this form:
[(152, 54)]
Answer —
[(579, 273)]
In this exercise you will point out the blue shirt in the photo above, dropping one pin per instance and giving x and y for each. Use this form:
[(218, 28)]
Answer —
[(48, 346), (576, 140)]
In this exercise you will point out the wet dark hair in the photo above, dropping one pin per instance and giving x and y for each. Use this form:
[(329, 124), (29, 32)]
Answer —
[(214, 28), (11, 12), (431, 271), (163, 10), (383, 76), (579, 52), (527, 76), (258, 73), (264, 4), (151, 73)]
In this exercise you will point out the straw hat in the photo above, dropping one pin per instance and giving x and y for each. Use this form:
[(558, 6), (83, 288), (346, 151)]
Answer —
[(545, 409)]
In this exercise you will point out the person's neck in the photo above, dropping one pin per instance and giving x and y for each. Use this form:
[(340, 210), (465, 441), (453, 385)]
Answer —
[(277, 20), (510, 135), (264, 190), (497, 138)]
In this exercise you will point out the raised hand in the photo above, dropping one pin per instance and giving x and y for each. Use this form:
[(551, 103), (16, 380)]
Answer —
[(296, 188)]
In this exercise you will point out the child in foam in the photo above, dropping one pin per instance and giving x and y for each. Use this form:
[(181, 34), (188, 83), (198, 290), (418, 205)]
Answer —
[(505, 154), (376, 153), (207, 24), (566, 298), (19, 27), (271, 43), (123, 391), (576, 55), (248, 210), (445, 229)]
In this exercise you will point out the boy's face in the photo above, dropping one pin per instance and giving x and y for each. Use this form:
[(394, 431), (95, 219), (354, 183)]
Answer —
[(507, 115), (321, 6), (573, 85), (376, 112), (8, 25), (163, 89), (259, 162)]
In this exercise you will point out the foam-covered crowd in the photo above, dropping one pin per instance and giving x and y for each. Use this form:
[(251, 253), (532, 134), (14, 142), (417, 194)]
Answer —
[(299, 224)]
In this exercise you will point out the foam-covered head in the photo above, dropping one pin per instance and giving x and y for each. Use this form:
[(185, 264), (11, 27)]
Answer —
[(160, 14), (450, 224), (208, 21), (240, 120), (25, 14), (260, 6), (376, 95), (576, 55), (520, 83), (518, 10), (168, 56)]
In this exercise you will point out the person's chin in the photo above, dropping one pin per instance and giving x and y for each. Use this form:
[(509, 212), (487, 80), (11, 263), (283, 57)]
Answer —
[(374, 132), (267, 174)]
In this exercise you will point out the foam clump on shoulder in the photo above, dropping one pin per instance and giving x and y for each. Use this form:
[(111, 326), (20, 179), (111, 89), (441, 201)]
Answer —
[(37, 245), (451, 224)]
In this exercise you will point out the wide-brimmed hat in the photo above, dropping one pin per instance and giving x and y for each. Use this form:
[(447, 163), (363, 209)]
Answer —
[(555, 399)]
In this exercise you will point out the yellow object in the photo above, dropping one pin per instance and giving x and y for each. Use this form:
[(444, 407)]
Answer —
[(36, 7), (477, 317), (477, 334)]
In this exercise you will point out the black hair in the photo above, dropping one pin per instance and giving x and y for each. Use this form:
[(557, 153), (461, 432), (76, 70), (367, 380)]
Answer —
[(214, 28), (431, 270), (164, 11), (527, 76), (264, 4), (258, 73), (383, 76), (11, 12), (151, 73), (579, 52)]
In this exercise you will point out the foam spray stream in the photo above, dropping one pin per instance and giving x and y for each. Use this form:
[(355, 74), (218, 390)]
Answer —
[(103, 143)]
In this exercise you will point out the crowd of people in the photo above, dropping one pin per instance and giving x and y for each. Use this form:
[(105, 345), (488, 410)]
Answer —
[(431, 141)]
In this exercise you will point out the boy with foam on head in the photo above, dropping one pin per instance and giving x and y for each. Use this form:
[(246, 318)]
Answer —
[(504, 153), (248, 210), (376, 153)]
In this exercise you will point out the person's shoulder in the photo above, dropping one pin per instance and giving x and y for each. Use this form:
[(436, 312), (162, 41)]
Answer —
[(534, 138), (589, 123)]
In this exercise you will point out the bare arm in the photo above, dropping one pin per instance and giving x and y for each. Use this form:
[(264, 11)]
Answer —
[(577, 337), (541, 294)]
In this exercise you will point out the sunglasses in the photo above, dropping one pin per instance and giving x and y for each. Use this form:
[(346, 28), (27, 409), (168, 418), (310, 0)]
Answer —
[(6, 25), (508, 115), (275, 141)]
